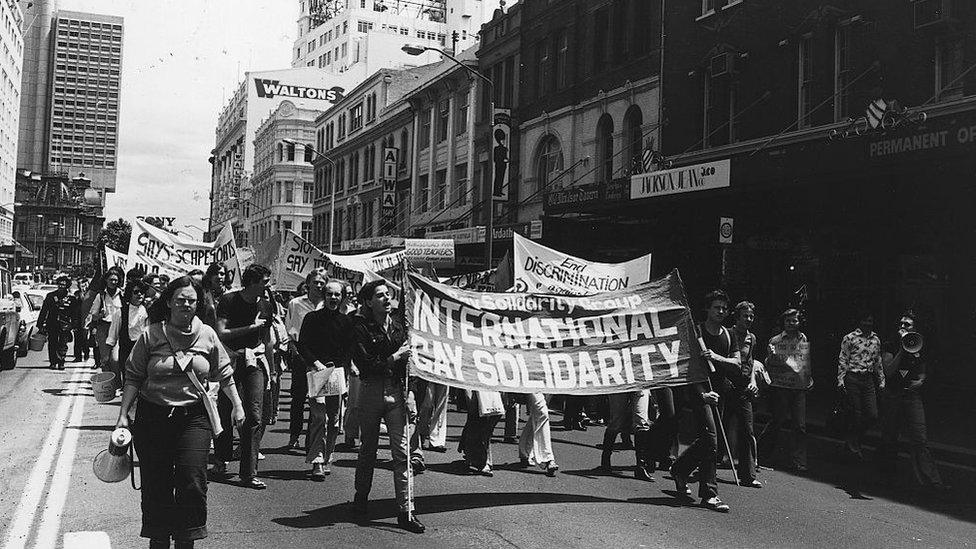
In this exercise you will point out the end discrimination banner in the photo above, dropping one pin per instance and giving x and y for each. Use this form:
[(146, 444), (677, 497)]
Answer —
[(545, 270), (615, 342)]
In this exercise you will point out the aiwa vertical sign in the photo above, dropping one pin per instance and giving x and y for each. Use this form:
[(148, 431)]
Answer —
[(391, 156)]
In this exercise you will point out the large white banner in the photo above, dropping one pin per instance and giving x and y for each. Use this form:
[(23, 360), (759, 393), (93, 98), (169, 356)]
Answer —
[(159, 251), (296, 257), (539, 269)]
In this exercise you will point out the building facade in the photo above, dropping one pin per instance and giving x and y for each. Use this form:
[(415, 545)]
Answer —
[(56, 222), (85, 96), (365, 36), (12, 41), (232, 158), (356, 138), (588, 110), (282, 184)]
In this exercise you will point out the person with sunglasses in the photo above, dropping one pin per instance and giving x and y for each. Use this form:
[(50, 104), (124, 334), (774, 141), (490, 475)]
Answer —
[(903, 411), (129, 322)]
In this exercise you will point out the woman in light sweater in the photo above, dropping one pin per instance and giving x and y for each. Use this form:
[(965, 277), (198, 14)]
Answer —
[(171, 367)]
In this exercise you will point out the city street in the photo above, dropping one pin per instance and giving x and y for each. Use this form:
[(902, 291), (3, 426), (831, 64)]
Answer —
[(50, 496)]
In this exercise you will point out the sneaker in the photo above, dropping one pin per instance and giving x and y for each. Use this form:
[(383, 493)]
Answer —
[(715, 504), (260, 456), (317, 474), (751, 483), (292, 443), (485, 471), (522, 463), (680, 483)]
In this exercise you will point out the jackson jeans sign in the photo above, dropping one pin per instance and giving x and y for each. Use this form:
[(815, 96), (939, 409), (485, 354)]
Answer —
[(700, 177)]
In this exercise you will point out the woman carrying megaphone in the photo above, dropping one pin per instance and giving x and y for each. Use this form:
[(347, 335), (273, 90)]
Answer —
[(173, 371)]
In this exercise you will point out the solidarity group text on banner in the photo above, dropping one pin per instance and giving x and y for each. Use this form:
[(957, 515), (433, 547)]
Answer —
[(539, 269), (615, 342), (159, 251), (789, 365)]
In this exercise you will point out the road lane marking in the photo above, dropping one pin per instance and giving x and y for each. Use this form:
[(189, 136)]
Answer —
[(87, 540), (57, 495), (27, 508)]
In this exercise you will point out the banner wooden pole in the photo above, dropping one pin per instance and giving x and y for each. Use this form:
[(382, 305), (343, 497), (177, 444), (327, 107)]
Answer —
[(406, 395)]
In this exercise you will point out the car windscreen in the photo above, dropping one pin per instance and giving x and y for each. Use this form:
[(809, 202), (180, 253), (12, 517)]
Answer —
[(35, 300)]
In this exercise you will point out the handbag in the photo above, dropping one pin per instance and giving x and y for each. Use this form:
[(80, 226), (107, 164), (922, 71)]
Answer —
[(490, 403)]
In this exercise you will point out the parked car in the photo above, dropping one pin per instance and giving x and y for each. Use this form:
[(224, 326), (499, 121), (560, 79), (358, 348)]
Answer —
[(9, 322), (29, 305), (25, 279)]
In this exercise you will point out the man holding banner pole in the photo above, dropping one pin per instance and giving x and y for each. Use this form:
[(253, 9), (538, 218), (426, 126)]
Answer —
[(380, 352), (719, 348)]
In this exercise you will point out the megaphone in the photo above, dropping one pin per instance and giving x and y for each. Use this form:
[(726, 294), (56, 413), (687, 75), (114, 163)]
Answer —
[(912, 342), (114, 463)]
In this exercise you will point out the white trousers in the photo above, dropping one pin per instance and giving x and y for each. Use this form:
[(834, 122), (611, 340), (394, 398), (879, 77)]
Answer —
[(535, 444)]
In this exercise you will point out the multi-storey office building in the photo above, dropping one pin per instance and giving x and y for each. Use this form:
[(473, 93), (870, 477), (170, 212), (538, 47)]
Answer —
[(11, 58), (365, 36), (282, 184), (85, 96), (35, 103)]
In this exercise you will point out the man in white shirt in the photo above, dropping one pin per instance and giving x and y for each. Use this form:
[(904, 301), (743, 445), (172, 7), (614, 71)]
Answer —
[(297, 309)]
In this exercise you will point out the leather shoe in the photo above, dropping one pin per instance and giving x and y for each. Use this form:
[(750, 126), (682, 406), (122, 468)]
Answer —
[(418, 466), (410, 523)]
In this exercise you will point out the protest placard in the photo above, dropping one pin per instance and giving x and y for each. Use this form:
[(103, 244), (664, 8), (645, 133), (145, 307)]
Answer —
[(116, 259), (544, 270), (614, 342), (159, 251), (789, 365)]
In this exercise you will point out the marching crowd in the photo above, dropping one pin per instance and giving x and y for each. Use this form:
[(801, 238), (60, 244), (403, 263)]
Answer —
[(196, 360)]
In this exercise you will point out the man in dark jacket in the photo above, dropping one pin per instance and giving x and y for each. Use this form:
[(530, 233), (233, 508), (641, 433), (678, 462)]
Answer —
[(56, 319)]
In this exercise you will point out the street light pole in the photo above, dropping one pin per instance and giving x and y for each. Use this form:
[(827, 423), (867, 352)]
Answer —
[(417, 49), (331, 184)]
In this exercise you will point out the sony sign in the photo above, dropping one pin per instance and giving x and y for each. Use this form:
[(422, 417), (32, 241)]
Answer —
[(270, 89)]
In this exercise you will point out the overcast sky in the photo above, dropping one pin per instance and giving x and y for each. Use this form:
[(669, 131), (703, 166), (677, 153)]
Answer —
[(181, 61)]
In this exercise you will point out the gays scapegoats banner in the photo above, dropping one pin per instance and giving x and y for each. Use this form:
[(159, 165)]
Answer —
[(159, 251), (614, 342), (545, 270)]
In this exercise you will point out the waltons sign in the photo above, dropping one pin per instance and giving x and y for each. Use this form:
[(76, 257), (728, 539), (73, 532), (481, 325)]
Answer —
[(271, 88), (700, 177)]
